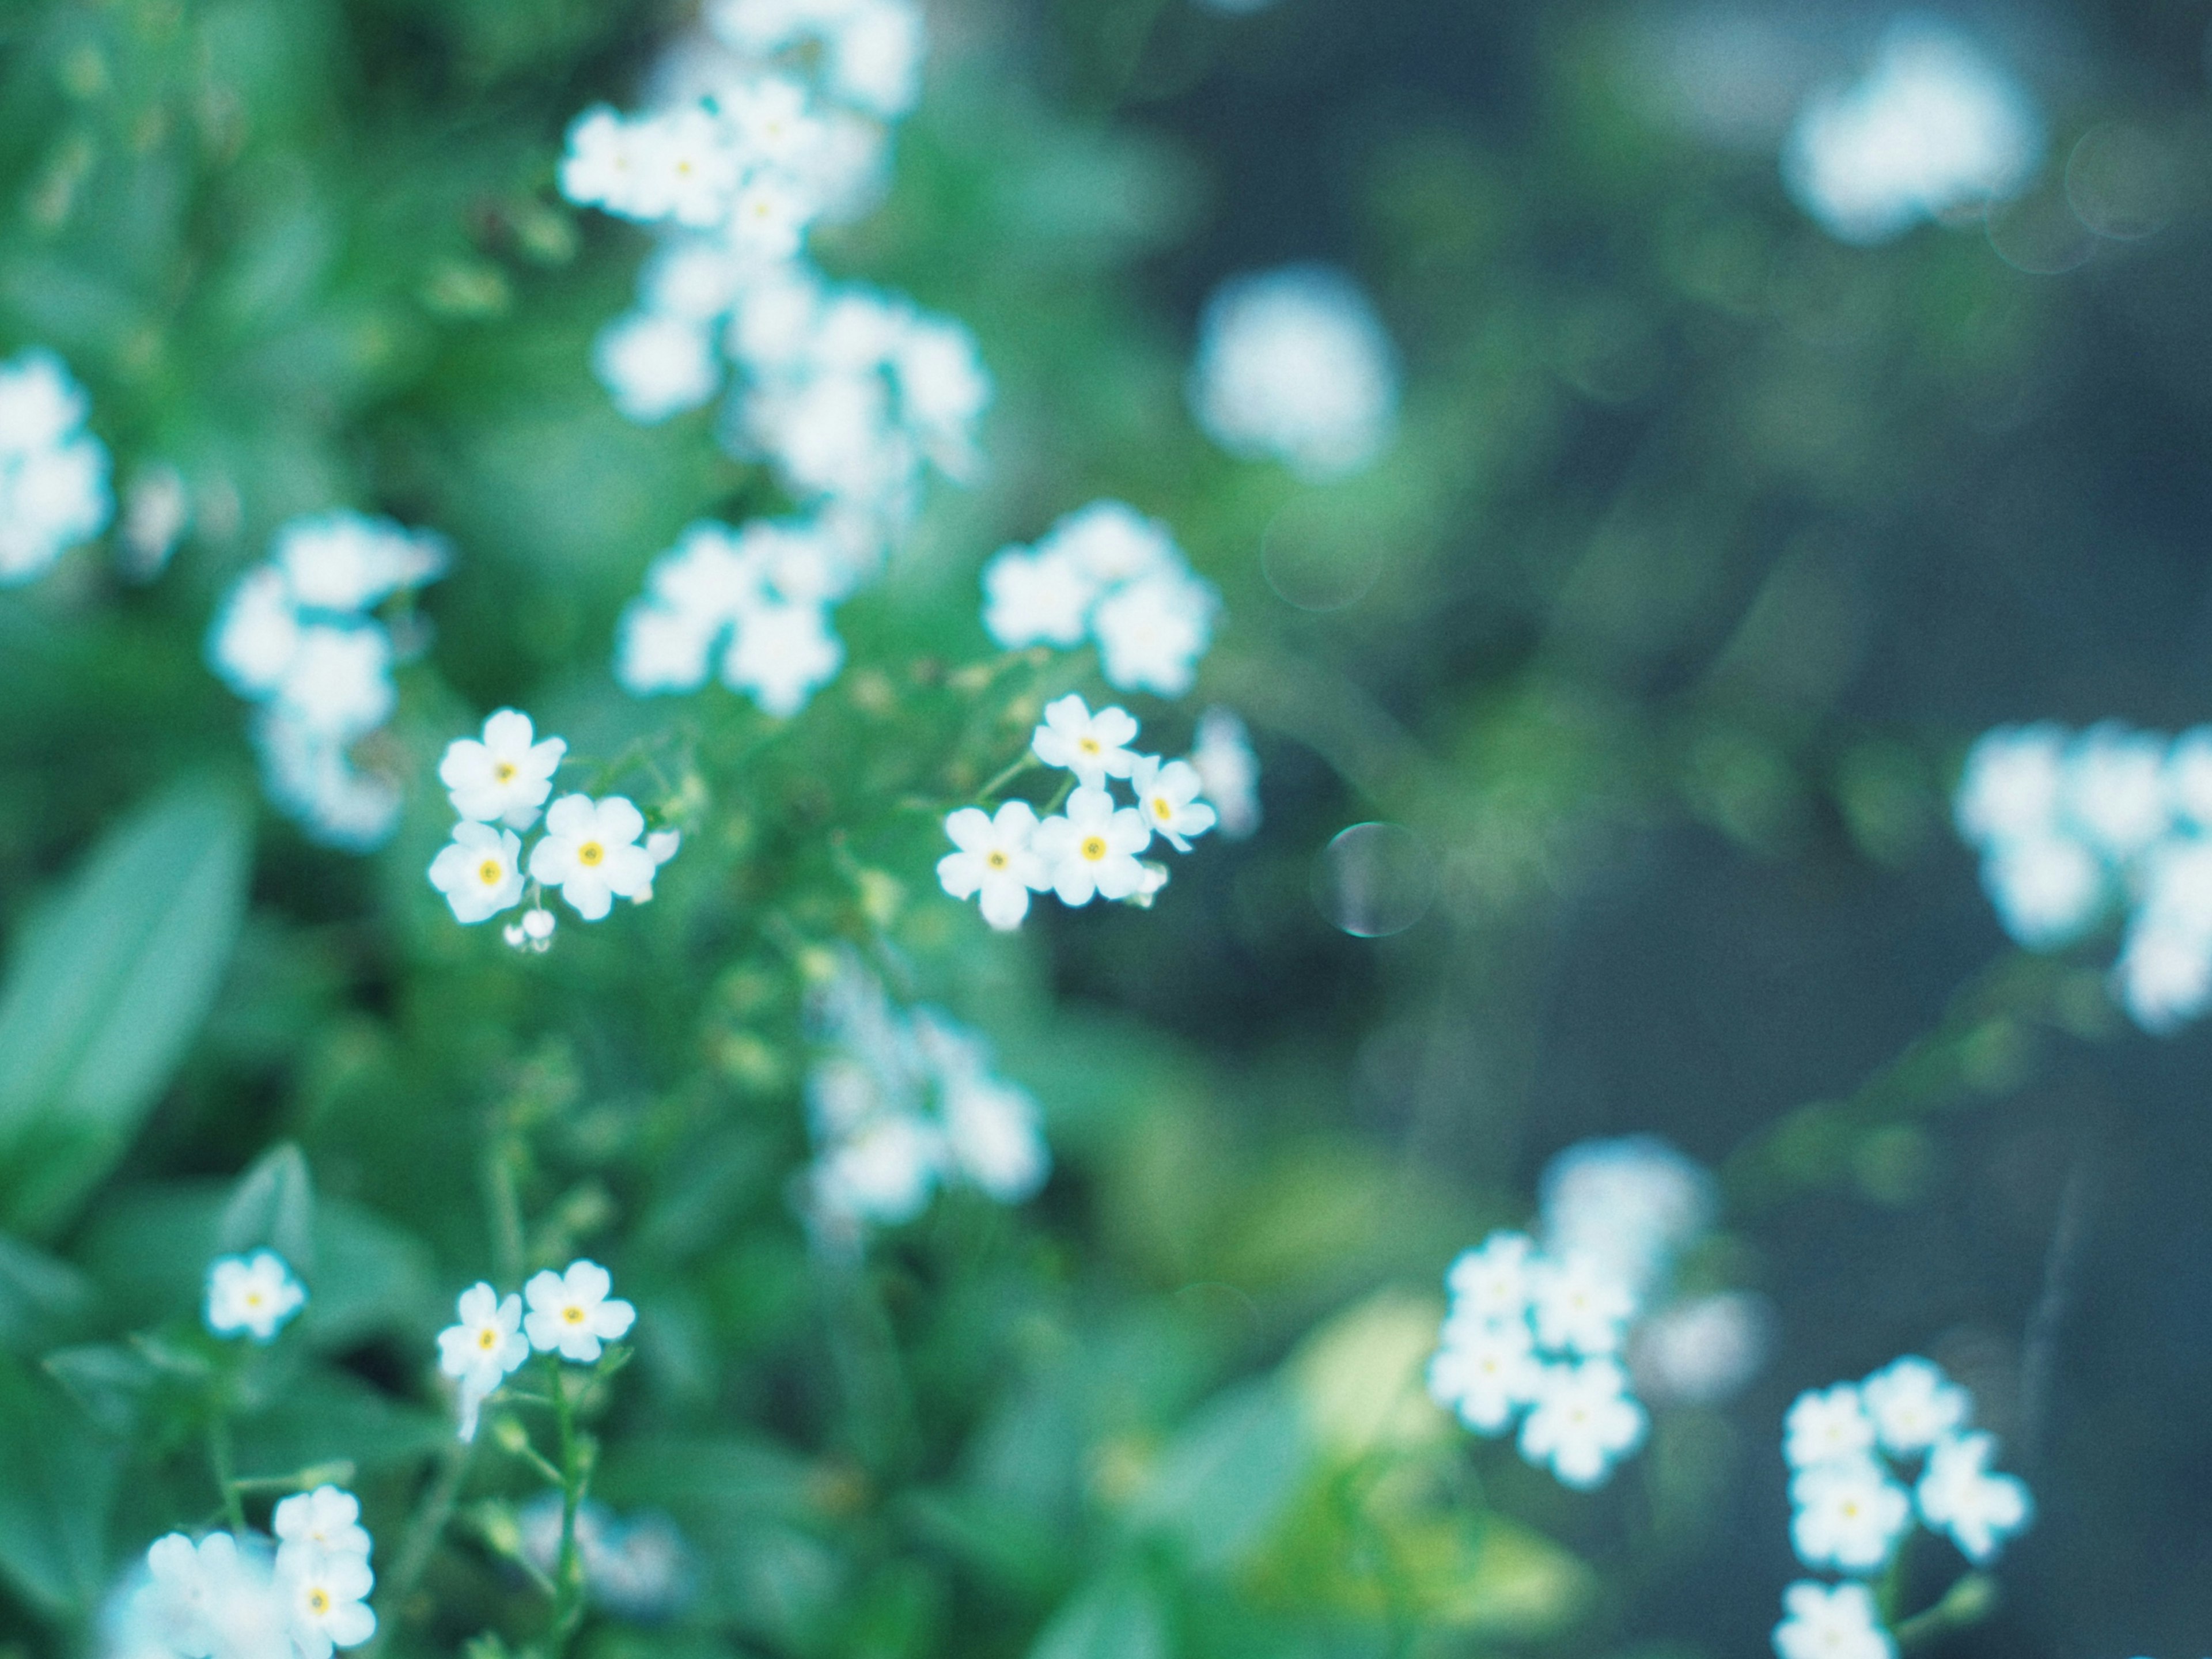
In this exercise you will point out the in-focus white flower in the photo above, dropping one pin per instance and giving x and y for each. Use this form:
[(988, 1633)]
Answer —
[(1095, 747), (1229, 771), (2048, 891), (1849, 1515), (505, 776), (1913, 1405), (1580, 1307), (1827, 1426), (1485, 1372), (311, 1524), (1294, 366), (996, 861), (1491, 1284), (2116, 789), (571, 1314), (590, 852), (327, 1598), (2010, 789), (1091, 849), (479, 871), (1583, 1423), (1167, 798), (1959, 1495), (1936, 127), (253, 1294), (1831, 1621), (482, 1350)]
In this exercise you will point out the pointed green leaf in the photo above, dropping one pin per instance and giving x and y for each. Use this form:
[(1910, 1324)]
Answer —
[(57, 1485), (1115, 1616), (273, 1206)]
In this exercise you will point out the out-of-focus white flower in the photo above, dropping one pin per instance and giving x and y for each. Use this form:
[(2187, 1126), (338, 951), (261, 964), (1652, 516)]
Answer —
[(1913, 1405), (1849, 1515), (782, 654), (1580, 1307), (505, 776), (872, 49), (2189, 776), (2010, 789), (2048, 892), (1043, 598), (1827, 1426), (1106, 568), (1294, 366), (1090, 850), (639, 1569), (1959, 1495), (656, 365), (1095, 747), (54, 491), (345, 563), (1631, 1205), (324, 1522), (1583, 1422), (2116, 789), (2164, 976), (256, 1295), (1167, 800), (991, 1135), (479, 871), (534, 932), (1228, 770), (1824, 1621), (590, 852), (571, 1313), (1152, 634), (1491, 1284), (1485, 1372), (156, 510), (883, 1174), (1703, 1351), (1935, 128), (995, 860)]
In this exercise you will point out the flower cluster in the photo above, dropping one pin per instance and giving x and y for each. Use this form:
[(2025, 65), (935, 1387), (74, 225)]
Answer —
[(570, 1314), (751, 604), (297, 635), (870, 51), (1089, 849), (1852, 1450), (1536, 1340), (1934, 127), (902, 1101), (230, 1597), (254, 1296), (640, 1568), (1831, 1621), (53, 474), (589, 849), (1294, 366), (1108, 571), (2073, 828)]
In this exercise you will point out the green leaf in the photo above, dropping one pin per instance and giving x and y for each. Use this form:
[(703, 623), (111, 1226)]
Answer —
[(37, 1292), (1230, 1473), (108, 1380), (57, 1485), (273, 1205), (106, 987), (1115, 1616)]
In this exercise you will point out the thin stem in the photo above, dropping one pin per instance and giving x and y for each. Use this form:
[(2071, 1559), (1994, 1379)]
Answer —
[(506, 1208), (1022, 765), (424, 1528), (1969, 1601), (220, 1459), (569, 1575)]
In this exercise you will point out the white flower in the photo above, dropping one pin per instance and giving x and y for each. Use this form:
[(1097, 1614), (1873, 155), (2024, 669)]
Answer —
[(1036, 599), (1485, 1372), (1850, 1515), (1113, 543), (2048, 891), (256, 1294), (1829, 1426), (2115, 788), (506, 776), (1093, 848), (883, 1173), (344, 562), (602, 166), (1958, 1495), (1703, 1351), (991, 1135), (534, 933), (1580, 1307), (309, 1525), (1825, 1621), (178, 1603), (782, 654), (1628, 1205), (40, 403), (483, 1349), (1151, 633), (1294, 365), (1583, 1422), (1229, 771), (996, 859), (1934, 127), (2189, 776), (2164, 976), (338, 682), (1913, 1405), (255, 634), (654, 365), (326, 1597), (2010, 788), (1095, 747), (1491, 1284), (53, 477), (1167, 800), (479, 871), (590, 852), (571, 1314)]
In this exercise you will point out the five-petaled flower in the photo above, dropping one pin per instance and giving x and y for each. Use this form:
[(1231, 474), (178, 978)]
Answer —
[(506, 776), (1095, 747), (996, 860), (590, 852), (1092, 849), (571, 1314), (479, 871), (254, 1294)]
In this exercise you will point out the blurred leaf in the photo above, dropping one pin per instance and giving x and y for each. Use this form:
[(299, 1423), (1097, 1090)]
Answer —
[(36, 1292), (1115, 1616), (106, 986), (57, 1484), (1360, 1376), (273, 1205), (329, 1416), (110, 1382), (1227, 1478)]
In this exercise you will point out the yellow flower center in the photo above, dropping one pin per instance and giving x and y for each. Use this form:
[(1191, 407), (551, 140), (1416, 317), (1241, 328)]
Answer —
[(489, 872), (1094, 847), (573, 1314), (995, 859), (487, 1338), (590, 853), (504, 771), (1088, 745), (319, 1601), (1162, 808)]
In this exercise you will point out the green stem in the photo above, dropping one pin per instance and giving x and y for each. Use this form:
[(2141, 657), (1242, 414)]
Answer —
[(1969, 1601), (506, 1208), (568, 1574), (1022, 765), (220, 1458)]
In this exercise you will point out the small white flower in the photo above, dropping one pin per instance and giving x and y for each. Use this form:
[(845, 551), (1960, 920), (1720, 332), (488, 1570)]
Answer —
[(2010, 788), (1630, 1205), (534, 933), (1151, 633), (1583, 1421), (1491, 1284), (882, 1173), (571, 1313), (2189, 776), (2164, 976), (1914, 1405), (184, 1582), (479, 871), (1167, 798), (655, 366), (1830, 1426), (327, 1599), (1229, 771), (1485, 1372), (338, 682), (1579, 1307), (2115, 788), (309, 1525), (1958, 1495), (1036, 599), (482, 1349), (991, 1138), (1702, 1351), (781, 655), (255, 634), (1850, 1515), (344, 562), (255, 1294), (1825, 1621), (505, 777), (1092, 849), (996, 859), (2047, 889), (590, 852), (1095, 747)]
